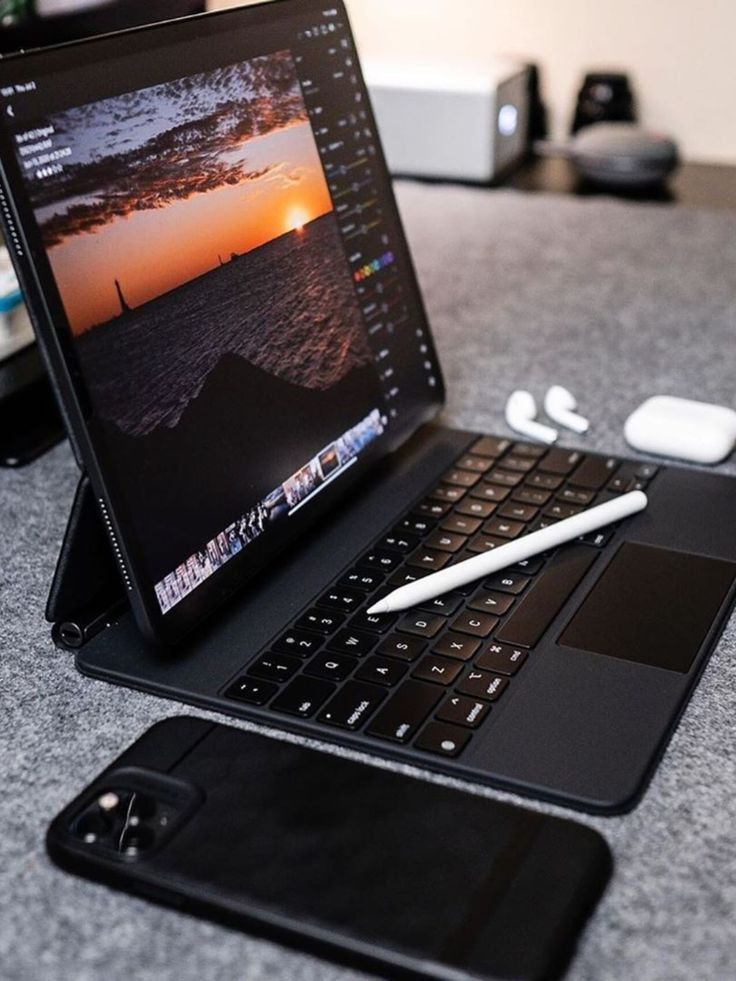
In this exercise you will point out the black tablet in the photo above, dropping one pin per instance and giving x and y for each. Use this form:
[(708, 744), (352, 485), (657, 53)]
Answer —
[(205, 230)]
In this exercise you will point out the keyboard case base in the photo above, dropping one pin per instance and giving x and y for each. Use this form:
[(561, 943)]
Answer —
[(579, 729)]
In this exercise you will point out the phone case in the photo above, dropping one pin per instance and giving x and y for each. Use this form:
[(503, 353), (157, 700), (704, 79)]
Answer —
[(363, 865)]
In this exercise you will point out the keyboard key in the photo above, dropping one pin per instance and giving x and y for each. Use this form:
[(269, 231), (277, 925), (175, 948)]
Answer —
[(375, 623), (529, 450), (647, 471), (474, 624), (447, 493), (480, 684), (403, 647), (535, 612), (531, 495), (343, 600), (621, 484), (432, 509), (440, 670), (421, 624), (382, 671), (332, 667), (460, 478), (546, 481), (445, 541), (624, 479), (560, 461), (491, 602), (529, 567), (477, 464), (459, 646), (299, 642), (508, 582), (503, 527), (490, 446), (475, 509), (381, 558), (462, 711), (352, 705), (275, 667), (505, 478), (445, 605), (443, 739), (484, 543), (323, 621), (252, 691), (501, 659), (425, 558), (560, 511), (571, 495), (490, 492), (594, 472), (457, 524), (303, 696), (519, 464), (518, 512), (405, 711), (405, 575), (364, 579), (398, 541), (597, 538), (541, 523), (354, 642), (418, 526)]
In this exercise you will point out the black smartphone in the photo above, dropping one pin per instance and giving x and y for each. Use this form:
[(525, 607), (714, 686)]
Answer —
[(359, 864), (232, 349)]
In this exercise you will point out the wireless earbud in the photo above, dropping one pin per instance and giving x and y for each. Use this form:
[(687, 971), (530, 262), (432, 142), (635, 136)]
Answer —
[(521, 412), (560, 405)]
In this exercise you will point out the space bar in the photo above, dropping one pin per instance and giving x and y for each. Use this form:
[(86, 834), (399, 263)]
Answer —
[(545, 599)]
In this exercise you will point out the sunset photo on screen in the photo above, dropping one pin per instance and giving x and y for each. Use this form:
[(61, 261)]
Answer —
[(193, 240)]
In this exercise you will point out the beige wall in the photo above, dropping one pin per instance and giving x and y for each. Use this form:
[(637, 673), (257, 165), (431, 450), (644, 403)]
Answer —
[(681, 53)]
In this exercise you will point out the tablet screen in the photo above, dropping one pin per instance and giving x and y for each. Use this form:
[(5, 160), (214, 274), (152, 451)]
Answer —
[(230, 272)]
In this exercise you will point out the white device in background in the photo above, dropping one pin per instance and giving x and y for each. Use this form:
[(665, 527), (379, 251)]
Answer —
[(682, 429), (521, 414), (560, 405), (450, 119)]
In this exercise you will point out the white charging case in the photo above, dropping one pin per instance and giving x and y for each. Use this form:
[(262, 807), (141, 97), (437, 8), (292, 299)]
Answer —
[(683, 429)]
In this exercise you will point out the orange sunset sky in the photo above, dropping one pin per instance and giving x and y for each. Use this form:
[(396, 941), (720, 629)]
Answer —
[(153, 251), (157, 183)]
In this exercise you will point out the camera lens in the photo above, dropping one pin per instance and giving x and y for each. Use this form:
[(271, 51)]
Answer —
[(92, 826)]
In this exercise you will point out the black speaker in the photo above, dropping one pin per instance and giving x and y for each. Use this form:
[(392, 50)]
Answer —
[(605, 97)]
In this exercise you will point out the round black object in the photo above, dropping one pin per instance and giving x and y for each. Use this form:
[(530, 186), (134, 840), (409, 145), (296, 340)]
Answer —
[(622, 155)]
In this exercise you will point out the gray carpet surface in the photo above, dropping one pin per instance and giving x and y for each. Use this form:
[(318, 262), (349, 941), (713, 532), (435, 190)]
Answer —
[(617, 301)]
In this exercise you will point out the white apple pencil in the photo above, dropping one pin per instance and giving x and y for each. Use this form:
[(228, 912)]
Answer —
[(499, 558)]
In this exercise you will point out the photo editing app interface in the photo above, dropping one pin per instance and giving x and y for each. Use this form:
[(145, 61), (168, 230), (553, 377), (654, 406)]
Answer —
[(227, 271)]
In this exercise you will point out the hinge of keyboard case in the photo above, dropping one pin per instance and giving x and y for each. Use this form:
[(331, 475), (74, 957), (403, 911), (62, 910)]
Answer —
[(87, 591)]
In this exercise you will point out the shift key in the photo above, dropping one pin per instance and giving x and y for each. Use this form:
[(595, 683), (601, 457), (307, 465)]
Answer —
[(546, 597), (400, 718)]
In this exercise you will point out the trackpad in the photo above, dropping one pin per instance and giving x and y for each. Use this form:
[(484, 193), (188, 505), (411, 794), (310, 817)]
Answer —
[(652, 605)]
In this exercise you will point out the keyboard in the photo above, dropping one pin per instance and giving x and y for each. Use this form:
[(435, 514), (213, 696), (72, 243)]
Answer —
[(432, 676)]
